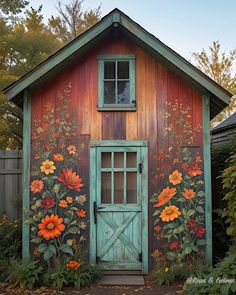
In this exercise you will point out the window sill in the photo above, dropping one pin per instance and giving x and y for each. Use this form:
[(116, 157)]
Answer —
[(116, 109)]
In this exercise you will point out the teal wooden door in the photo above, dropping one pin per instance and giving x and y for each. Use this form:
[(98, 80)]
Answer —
[(118, 208)]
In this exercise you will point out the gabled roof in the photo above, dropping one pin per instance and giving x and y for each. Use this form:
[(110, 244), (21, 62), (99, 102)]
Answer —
[(66, 55), (226, 124)]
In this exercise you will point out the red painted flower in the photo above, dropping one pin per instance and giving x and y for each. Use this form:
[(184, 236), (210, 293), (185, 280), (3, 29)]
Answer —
[(174, 245), (191, 223), (81, 213), (194, 169), (200, 231), (70, 179), (48, 202)]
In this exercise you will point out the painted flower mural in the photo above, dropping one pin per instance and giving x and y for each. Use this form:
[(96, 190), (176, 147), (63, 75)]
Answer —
[(179, 225), (57, 217)]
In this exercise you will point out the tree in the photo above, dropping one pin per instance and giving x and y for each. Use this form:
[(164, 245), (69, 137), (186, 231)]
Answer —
[(72, 20), (12, 6), (219, 66)]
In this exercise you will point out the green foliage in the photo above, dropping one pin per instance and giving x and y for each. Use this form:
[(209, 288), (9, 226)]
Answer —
[(229, 184), (219, 280), (24, 274), (12, 6), (219, 67), (56, 277), (84, 276), (10, 238)]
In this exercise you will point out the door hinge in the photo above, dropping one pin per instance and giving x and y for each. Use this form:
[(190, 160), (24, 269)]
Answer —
[(95, 212), (140, 256), (140, 167)]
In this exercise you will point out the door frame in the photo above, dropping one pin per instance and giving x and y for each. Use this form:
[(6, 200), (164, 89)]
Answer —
[(144, 194)]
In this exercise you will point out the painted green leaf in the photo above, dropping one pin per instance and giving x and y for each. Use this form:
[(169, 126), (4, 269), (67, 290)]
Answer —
[(47, 255), (188, 250), (199, 209), (170, 256), (66, 249), (42, 248), (36, 240), (66, 220), (190, 212), (201, 242), (157, 212), (52, 248), (201, 194)]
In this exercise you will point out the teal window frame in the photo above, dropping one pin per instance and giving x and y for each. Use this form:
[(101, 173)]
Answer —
[(131, 106)]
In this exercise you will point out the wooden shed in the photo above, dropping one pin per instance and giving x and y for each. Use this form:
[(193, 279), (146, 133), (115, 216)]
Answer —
[(117, 150)]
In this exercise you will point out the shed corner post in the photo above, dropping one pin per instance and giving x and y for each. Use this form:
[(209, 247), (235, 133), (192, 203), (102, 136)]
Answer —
[(207, 176), (26, 171)]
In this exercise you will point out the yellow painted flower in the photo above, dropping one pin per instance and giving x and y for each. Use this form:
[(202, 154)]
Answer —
[(166, 269), (48, 167), (63, 204), (170, 213), (69, 200)]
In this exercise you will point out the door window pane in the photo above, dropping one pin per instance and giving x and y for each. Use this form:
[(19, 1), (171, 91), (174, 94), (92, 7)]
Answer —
[(131, 160), (123, 70), (106, 160), (106, 188), (131, 184), (109, 70), (123, 92), (118, 160), (109, 92), (118, 187)]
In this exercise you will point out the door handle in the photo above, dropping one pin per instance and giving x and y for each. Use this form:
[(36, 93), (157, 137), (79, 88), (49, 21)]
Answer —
[(95, 212)]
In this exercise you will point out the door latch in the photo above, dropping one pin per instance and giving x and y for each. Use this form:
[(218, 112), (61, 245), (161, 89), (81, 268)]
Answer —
[(140, 256), (140, 167), (95, 212)]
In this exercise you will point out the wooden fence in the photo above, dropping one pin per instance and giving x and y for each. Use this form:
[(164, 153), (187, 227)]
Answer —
[(10, 183)]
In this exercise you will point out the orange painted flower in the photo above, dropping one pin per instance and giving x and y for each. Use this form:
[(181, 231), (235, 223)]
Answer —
[(73, 264), (71, 149), (69, 200), (51, 227), (36, 186), (185, 166), (165, 196), (157, 228), (58, 157), (70, 179), (48, 167), (63, 204), (157, 253), (81, 213), (170, 213), (198, 159), (194, 169), (189, 194), (175, 177)]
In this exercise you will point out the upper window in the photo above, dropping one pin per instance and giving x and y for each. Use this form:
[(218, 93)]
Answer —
[(116, 82)]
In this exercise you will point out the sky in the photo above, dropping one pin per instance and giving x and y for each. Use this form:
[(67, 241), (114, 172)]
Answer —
[(184, 25)]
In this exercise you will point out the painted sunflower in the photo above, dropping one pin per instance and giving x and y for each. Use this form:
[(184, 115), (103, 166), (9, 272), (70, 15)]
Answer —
[(170, 213), (48, 167), (51, 227)]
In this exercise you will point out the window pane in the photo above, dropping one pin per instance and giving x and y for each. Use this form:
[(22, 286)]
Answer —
[(118, 187), (119, 160), (131, 160), (131, 184), (109, 92), (109, 70), (123, 92), (123, 70), (106, 188), (106, 160)]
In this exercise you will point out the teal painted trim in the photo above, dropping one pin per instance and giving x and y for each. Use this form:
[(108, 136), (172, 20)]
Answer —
[(131, 106), (116, 17), (92, 197), (26, 171), (132, 81), (144, 159), (120, 57), (118, 143), (175, 59), (207, 176)]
